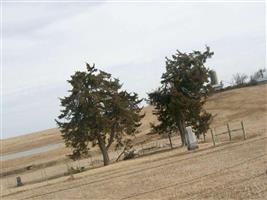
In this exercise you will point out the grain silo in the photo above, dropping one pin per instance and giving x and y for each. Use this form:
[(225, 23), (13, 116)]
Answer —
[(213, 77)]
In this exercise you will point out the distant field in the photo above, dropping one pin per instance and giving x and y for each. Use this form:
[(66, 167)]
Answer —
[(29, 141), (234, 169)]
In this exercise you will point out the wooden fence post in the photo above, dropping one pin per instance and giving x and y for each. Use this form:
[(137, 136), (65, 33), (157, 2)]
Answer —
[(204, 135), (229, 131), (244, 131), (212, 137), (170, 140), (216, 139)]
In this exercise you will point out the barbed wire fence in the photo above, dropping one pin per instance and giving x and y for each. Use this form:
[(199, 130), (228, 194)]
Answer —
[(81, 188), (69, 168)]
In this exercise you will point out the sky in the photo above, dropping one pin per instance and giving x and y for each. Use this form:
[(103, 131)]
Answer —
[(43, 44)]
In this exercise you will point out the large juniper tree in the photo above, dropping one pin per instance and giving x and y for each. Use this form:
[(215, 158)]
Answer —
[(97, 111), (180, 98)]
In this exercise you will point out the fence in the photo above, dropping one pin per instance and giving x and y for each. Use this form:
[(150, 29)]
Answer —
[(228, 131), (42, 173)]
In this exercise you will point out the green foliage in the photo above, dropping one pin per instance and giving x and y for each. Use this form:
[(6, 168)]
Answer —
[(97, 111), (184, 89)]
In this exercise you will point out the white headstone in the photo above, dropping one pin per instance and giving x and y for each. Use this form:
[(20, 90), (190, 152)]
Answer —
[(191, 139)]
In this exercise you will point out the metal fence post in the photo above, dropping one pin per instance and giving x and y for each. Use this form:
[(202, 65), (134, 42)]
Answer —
[(229, 131)]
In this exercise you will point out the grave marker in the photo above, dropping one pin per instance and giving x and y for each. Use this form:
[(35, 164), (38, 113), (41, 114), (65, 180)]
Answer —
[(191, 139), (19, 182)]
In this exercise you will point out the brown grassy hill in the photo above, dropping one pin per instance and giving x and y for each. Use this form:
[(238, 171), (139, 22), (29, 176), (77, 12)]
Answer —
[(248, 104), (29, 141)]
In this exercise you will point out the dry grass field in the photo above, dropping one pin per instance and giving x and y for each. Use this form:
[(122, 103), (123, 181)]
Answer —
[(231, 170)]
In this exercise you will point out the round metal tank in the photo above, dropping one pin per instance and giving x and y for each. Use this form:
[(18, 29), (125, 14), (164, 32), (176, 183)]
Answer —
[(213, 77)]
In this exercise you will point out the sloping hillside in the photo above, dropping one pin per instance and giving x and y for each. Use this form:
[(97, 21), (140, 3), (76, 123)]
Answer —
[(248, 104)]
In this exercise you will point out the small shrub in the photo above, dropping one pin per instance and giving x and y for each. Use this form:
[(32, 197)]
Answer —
[(129, 155)]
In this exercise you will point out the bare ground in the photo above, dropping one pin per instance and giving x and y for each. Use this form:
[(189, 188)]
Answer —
[(231, 171)]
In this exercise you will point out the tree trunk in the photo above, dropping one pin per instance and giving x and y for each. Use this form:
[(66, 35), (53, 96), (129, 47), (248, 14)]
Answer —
[(184, 130), (104, 150), (181, 127), (112, 135)]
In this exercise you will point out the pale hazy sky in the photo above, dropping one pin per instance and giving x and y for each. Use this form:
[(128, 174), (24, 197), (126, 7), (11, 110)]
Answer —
[(44, 43)]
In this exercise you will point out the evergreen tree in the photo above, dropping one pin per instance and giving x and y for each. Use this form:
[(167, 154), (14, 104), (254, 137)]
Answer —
[(184, 89), (97, 111)]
